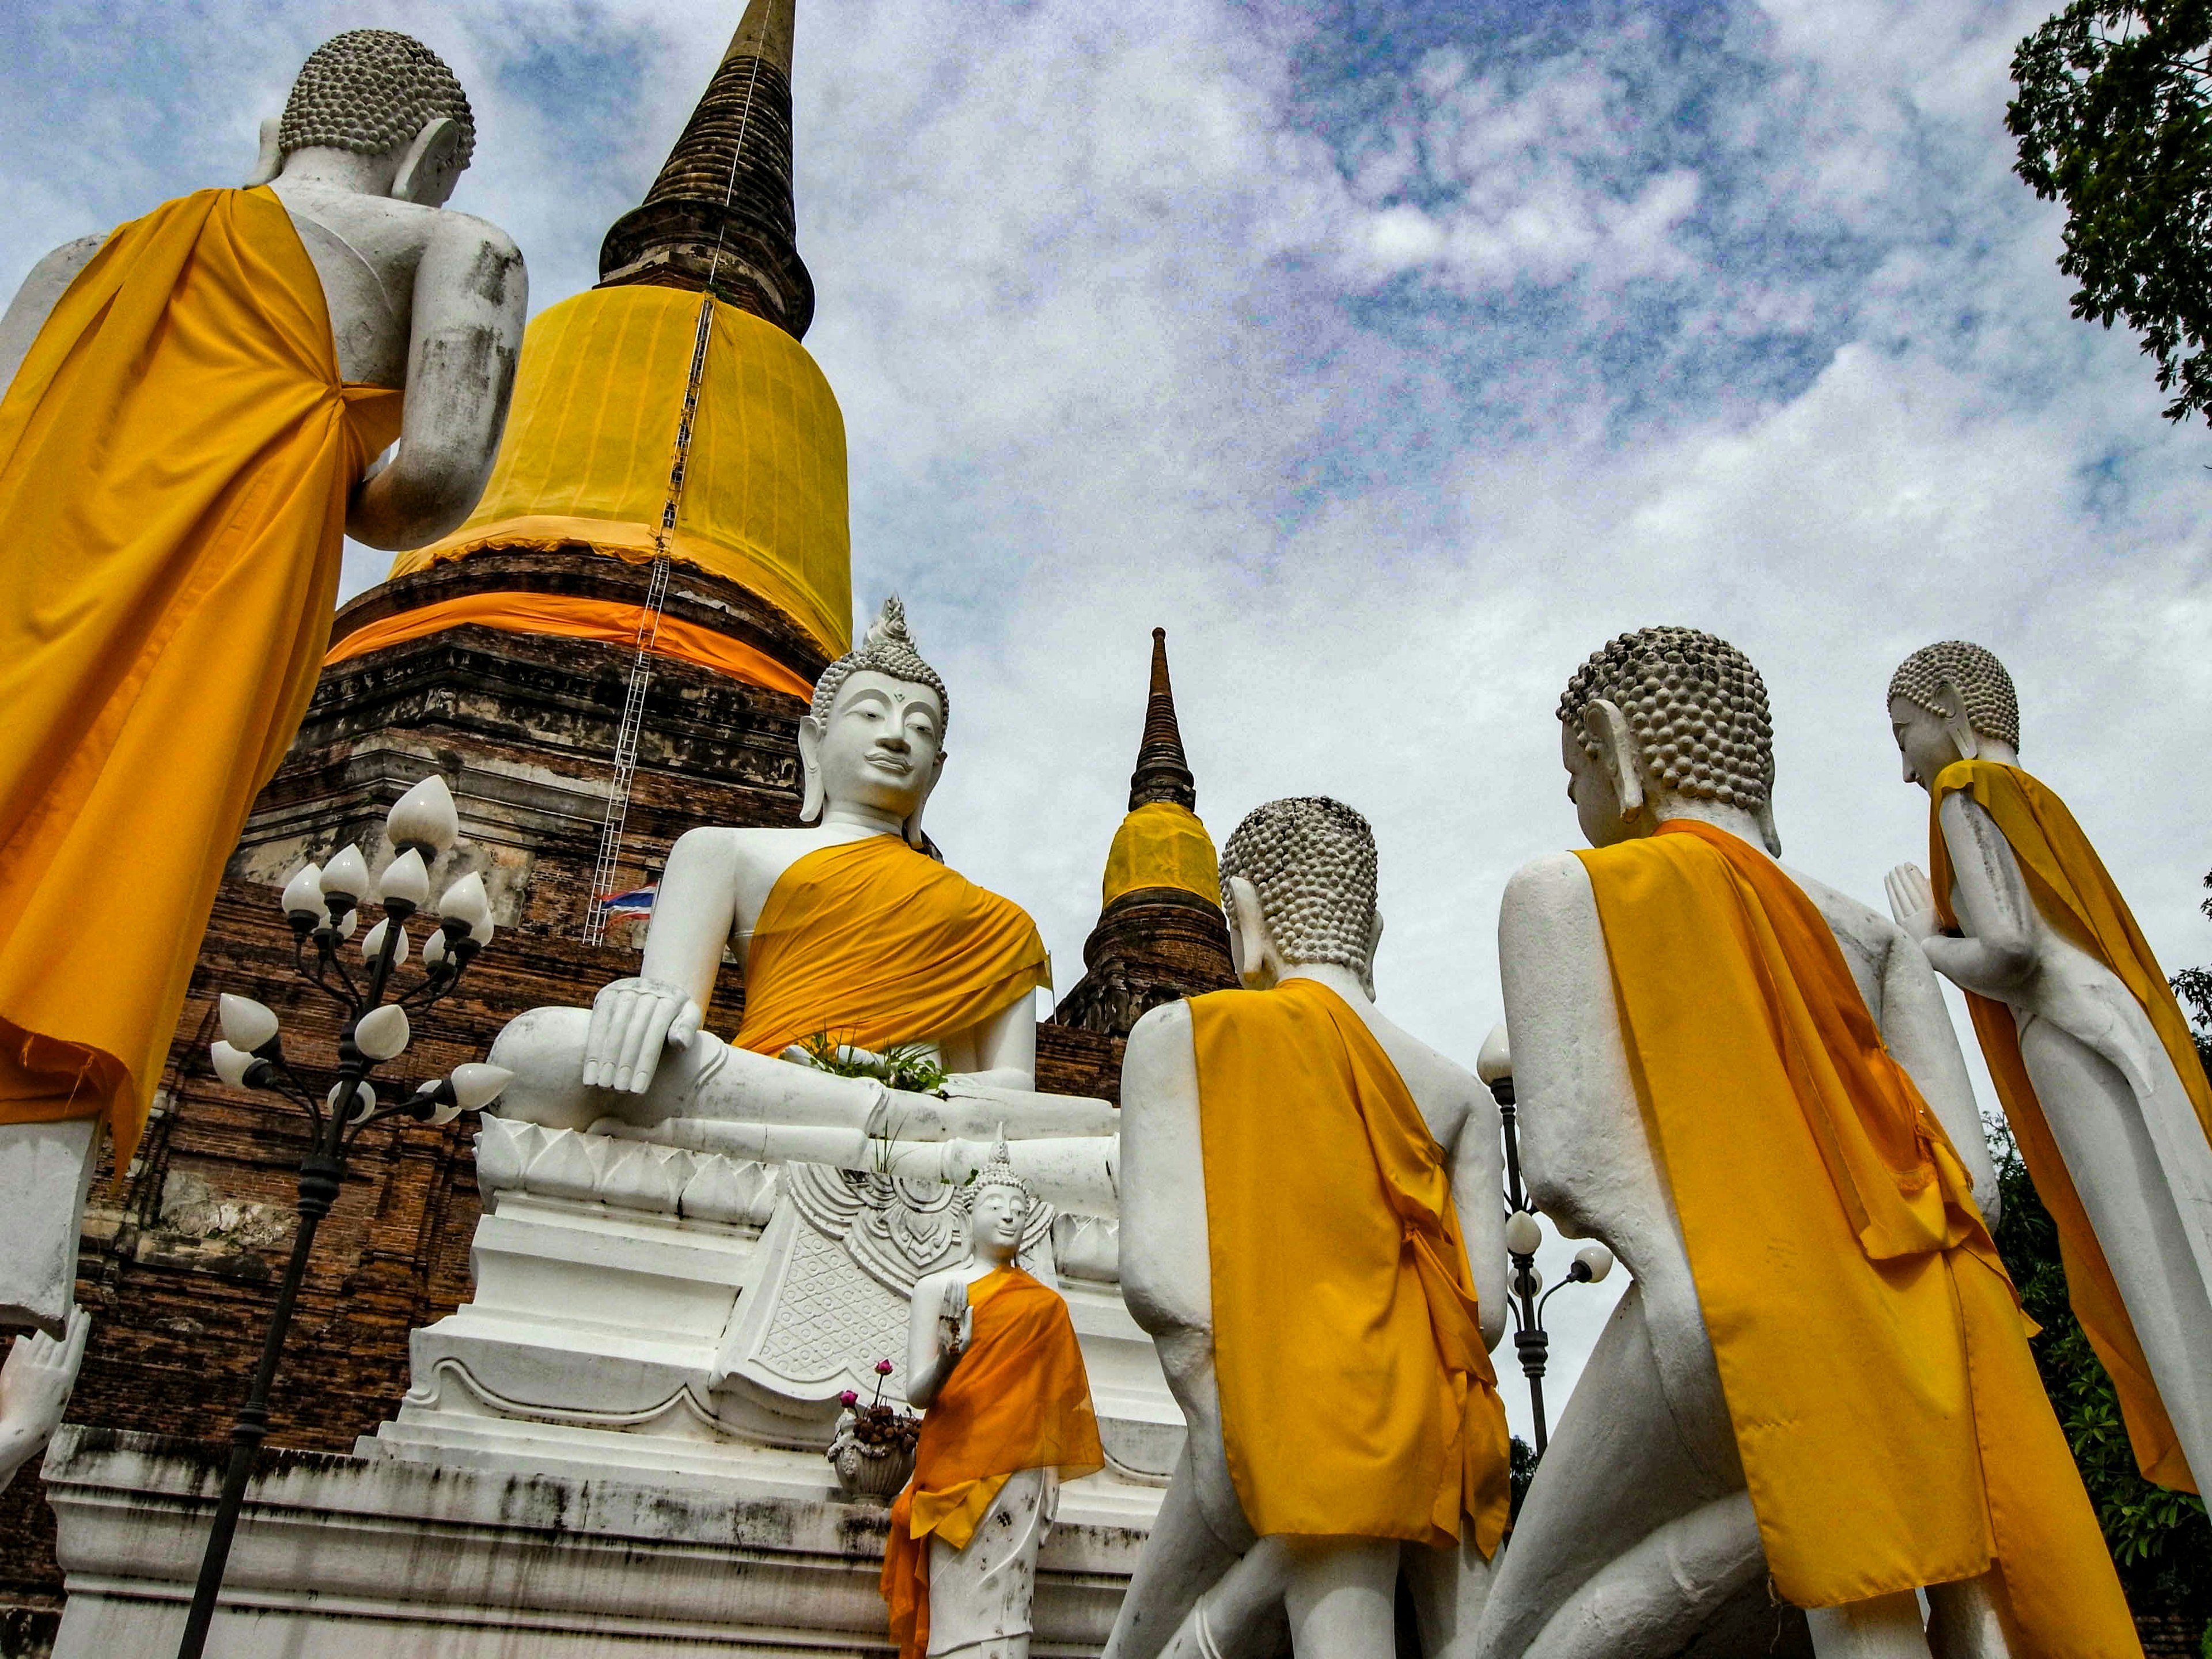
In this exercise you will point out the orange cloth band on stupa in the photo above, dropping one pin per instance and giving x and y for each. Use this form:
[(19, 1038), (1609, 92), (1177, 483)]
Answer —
[(592, 433), (877, 944), (175, 456), (1357, 1397), (575, 618), (1019, 1398), (1161, 844), (1893, 1429), (2070, 881)]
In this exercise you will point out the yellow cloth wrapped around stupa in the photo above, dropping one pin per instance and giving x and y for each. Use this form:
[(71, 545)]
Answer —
[(873, 943), (1161, 844), (1357, 1397), (2070, 882), (175, 458), (591, 433), (1874, 1358)]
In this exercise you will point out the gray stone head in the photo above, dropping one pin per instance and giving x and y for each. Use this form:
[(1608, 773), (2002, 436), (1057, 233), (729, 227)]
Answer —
[(370, 92), (1985, 689), (1312, 862), (1695, 704)]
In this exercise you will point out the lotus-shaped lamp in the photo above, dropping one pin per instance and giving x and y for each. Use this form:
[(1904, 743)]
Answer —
[(303, 895), (404, 886), (382, 1033), (1592, 1263), (423, 818), (372, 942), (345, 878), (1494, 1064), (476, 1086), (231, 1064), (466, 909), (247, 1024), (1522, 1235)]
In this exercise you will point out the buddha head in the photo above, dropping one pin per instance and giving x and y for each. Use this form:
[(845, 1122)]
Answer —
[(380, 94), (1298, 885), (875, 735), (997, 1202), (1661, 716), (1952, 701)]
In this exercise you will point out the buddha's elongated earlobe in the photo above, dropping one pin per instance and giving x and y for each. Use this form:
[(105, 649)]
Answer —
[(809, 766), (1765, 813), (1963, 735), (1618, 753)]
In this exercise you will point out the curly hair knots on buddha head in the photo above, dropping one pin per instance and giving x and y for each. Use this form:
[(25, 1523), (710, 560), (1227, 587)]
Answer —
[(1312, 861), (1694, 702), (1992, 706), (888, 648), (999, 1171), (370, 91)]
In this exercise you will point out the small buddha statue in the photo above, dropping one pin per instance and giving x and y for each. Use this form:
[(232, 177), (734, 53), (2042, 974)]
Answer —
[(1746, 1084), (993, 1358), (848, 929), (195, 406), (2091, 1056), (1312, 1233)]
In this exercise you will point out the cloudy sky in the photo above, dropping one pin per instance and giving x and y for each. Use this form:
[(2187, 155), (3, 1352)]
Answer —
[(1392, 356)]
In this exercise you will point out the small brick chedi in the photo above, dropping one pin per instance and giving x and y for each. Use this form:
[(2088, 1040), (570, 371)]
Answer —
[(458, 1474)]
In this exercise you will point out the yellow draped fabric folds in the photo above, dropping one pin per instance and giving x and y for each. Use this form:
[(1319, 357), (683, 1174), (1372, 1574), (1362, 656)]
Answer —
[(175, 458), (574, 616), (1161, 844), (877, 944), (1357, 1397), (1874, 1360), (1018, 1399), (2071, 885), (592, 433)]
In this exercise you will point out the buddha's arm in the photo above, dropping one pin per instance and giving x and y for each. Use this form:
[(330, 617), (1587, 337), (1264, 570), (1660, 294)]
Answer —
[(1478, 1177), (1001, 1051), (34, 301), (470, 297), (1917, 1029), (1989, 897), (692, 915)]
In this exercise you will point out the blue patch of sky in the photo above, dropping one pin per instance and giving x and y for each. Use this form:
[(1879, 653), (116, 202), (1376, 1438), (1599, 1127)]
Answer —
[(1686, 88)]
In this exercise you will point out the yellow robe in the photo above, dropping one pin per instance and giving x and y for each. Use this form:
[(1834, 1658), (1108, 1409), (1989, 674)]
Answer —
[(1357, 1397), (2072, 888), (1019, 1398), (873, 943), (1875, 1361), (175, 458)]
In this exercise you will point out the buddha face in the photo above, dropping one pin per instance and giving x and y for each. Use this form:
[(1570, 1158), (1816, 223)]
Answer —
[(879, 746), (994, 1222), (1929, 742)]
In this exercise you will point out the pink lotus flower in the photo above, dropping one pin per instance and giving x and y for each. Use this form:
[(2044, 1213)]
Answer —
[(882, 1368), (848, 1398)]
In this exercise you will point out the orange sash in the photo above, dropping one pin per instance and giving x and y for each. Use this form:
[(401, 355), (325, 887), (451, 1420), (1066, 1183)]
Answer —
[(1018, 1399), (175, 458), (2070, 884), (1874, 1362), (878, 945), (1356, 1396)]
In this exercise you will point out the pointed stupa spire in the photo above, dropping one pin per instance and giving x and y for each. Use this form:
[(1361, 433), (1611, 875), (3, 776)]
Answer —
[(720, 213), (1161, 774)]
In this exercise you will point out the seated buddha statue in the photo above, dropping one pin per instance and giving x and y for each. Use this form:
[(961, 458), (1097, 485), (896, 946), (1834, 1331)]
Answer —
[(848, 929)]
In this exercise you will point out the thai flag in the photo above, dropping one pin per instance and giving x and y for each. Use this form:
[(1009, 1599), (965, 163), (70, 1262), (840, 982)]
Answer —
[(638, 902)]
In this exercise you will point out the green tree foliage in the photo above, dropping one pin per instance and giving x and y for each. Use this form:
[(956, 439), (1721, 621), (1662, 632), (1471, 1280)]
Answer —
[(2114, 119)]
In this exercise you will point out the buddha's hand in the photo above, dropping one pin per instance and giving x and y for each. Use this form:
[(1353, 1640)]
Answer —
[(35, 1384), (1912, 901), (632, 1020)]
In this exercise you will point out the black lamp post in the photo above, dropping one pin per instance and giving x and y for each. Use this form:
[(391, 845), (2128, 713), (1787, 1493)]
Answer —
[(321, 906), (1524, 1285)]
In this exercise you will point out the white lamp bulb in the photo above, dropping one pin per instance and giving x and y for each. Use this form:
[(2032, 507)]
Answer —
[(433, 949), (424, 816), (374, 943), (1495, 1061), (405, 881), (477, 1086), (382, 1033), (466, 902), (346, 876), (230, 1064), (245, 1023), (303, 894), (1522, 1235), (352, 921), (1596, 1258)]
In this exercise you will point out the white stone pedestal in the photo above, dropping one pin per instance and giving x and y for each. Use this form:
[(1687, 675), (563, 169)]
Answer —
[(354, 1558)]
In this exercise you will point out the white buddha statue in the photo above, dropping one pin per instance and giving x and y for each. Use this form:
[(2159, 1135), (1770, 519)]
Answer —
[(1746, 1084), (1297, 1172), (992, 1357), (848, 929), (2093, 1062)]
